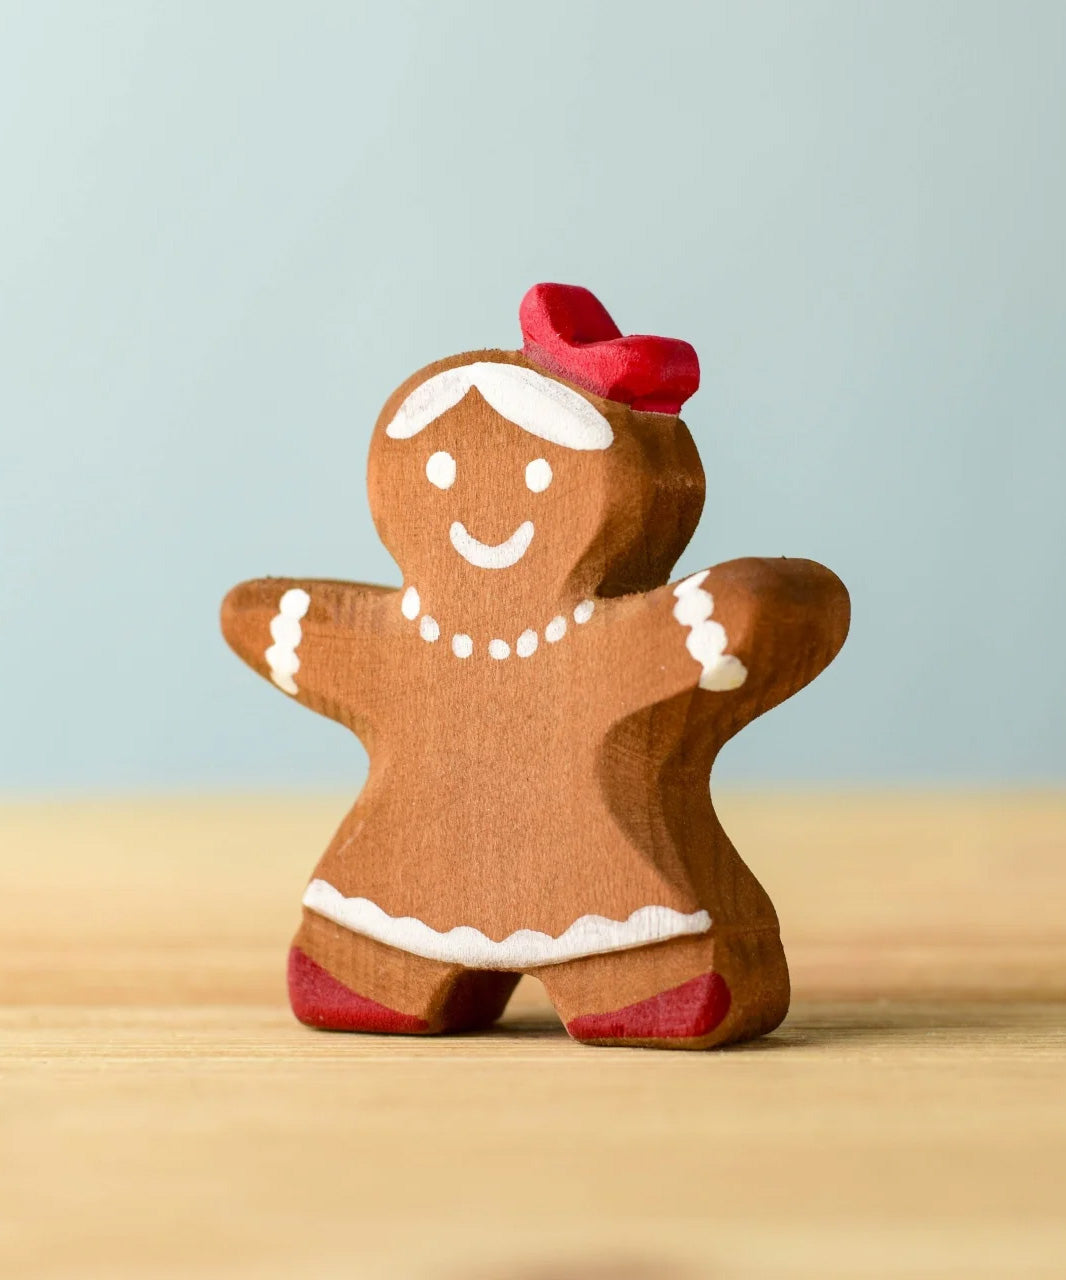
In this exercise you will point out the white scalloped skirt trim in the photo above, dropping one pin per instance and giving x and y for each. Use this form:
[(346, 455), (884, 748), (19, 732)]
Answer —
[(523, 949)]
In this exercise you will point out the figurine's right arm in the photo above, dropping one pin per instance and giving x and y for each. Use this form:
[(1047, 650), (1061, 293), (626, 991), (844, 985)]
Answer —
[(316, 640)]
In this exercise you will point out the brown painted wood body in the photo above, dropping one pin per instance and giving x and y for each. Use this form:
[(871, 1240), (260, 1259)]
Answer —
[(514, 788)]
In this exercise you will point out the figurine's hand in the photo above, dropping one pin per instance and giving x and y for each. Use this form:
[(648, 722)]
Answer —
[(315, 640), (750, 632), (265, 622), (706, 639)]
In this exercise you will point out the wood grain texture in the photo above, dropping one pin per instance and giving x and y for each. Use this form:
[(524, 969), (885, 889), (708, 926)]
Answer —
[(162, 1115), (540, 708)]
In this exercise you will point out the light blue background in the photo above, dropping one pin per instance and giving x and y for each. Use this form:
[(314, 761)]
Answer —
[(227, 231)]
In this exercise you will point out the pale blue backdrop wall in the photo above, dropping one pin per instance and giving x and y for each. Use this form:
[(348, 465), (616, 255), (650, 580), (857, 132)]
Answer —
[(228, 230)]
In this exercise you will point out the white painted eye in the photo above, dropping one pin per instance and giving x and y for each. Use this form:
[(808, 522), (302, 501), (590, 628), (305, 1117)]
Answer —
[(440, 470), (538, 475)]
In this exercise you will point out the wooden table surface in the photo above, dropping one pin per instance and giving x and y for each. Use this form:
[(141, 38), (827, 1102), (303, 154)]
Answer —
[(161, 1115)]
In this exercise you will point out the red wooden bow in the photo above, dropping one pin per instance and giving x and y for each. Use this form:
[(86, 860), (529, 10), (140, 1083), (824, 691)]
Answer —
[(568, 331)]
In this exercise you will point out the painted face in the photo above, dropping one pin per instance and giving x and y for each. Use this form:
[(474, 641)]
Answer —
[(492, 480), (441, 470)]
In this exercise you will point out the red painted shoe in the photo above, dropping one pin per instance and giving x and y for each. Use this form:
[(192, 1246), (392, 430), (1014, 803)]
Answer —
[(319, 1000), (688, 1012)]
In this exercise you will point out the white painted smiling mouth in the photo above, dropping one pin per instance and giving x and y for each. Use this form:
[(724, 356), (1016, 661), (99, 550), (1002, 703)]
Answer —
[(482, 555)]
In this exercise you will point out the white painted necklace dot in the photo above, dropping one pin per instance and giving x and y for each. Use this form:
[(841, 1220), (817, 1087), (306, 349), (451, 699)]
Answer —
[(462, 645), (410, 604)]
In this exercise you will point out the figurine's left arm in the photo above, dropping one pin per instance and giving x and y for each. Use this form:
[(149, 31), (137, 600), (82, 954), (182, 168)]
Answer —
[(753, 631), (315, 640)]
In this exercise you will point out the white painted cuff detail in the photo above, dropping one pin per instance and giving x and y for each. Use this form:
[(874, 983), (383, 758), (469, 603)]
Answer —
[(706, 640), (523, 949), (286, 633)]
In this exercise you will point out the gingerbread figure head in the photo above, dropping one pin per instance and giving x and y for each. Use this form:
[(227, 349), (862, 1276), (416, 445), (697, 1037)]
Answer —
[(541, 709), (525, 476)]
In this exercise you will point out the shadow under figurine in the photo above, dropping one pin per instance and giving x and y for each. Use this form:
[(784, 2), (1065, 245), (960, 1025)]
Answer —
[(541, 712)]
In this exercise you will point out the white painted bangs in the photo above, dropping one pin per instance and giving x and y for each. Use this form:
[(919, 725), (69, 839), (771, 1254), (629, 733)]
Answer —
[(543, 407)]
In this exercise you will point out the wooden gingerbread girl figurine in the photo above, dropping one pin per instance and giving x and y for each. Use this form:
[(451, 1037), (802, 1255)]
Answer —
[(541, 710)]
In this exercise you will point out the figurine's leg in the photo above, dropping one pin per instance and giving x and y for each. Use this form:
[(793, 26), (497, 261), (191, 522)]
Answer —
[(689, 993), (342, 981)]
